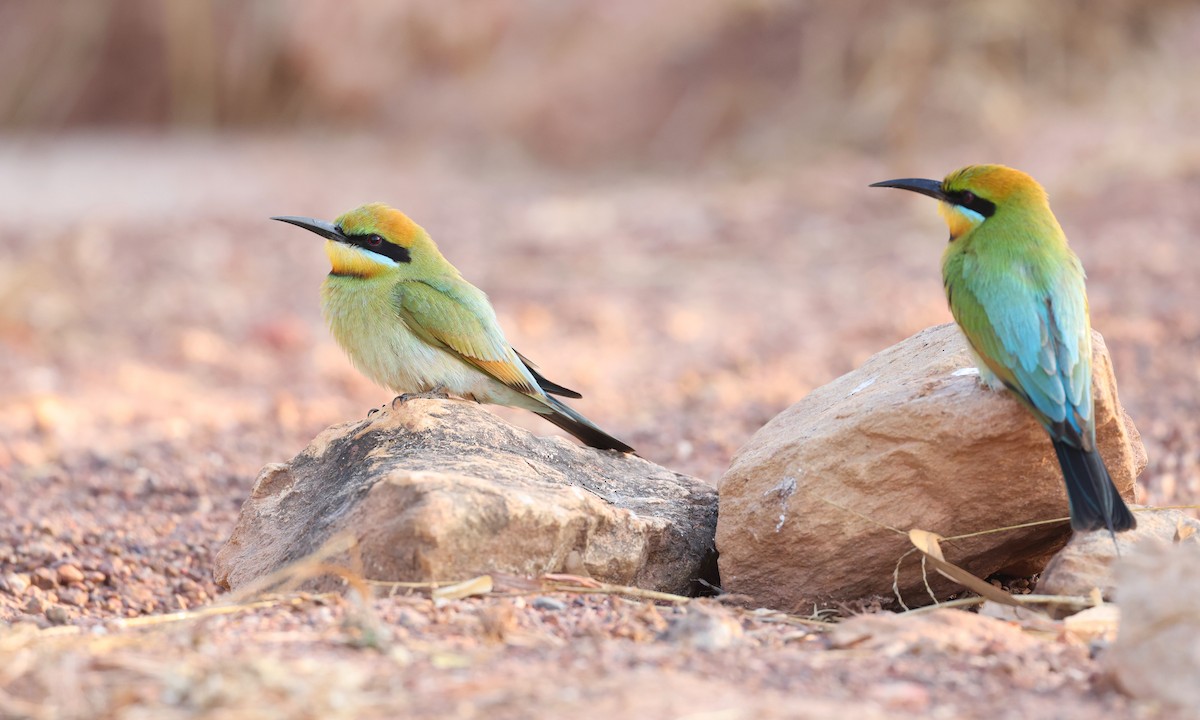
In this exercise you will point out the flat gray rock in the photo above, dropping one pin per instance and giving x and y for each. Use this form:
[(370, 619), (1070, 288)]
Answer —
[(444, 490)]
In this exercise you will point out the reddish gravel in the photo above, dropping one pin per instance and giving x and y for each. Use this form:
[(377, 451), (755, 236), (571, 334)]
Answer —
[(161, 341)]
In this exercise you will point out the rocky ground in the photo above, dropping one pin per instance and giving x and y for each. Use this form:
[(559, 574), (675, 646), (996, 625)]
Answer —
[(162, 341)]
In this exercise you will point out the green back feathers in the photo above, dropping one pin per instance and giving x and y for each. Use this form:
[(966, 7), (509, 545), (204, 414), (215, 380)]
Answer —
[(1017, 291)]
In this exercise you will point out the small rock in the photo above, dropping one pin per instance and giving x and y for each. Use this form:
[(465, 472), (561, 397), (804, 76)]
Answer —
[(57, 614), (114, 568), (16, 583), (45, 578), (446, 490), (69, 574), (411, 619), (911, 439), (34, 606), (498, 621), (142, 597), (1156, 655), (73, 596), (42, 551), (705, 628), (1087, 560), (549, 603)]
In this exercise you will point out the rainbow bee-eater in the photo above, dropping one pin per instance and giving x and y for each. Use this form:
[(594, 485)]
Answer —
[(410, 322), (1017, 292)]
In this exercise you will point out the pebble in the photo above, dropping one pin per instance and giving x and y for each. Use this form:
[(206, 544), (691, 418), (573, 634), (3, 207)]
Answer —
[(45, 578), (16, 583), (73, 596), (113, 568), (44, 551), (549, 603), (411, 619), (34, 606), (57, 614), (705, 630), (69, 575)]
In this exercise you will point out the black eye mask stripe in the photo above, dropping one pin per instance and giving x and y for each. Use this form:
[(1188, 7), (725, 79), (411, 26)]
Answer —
[(971, 201), (378, 245)]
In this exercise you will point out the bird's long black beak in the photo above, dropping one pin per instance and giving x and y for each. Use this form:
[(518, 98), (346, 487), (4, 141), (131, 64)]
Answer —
[(320, 227), (932, 188)]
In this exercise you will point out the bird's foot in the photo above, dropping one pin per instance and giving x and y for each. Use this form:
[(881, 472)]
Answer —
[(375, 411), (437, 393)]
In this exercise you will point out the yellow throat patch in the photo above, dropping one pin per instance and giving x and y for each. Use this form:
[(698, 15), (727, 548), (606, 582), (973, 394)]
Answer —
[(349, 260)]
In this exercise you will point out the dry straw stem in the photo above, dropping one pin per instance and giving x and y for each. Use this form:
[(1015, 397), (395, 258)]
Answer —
[(211, 611), (481, 585), (929, 545), (813, 622), (588, 586), (1075, 601), (312, 566)]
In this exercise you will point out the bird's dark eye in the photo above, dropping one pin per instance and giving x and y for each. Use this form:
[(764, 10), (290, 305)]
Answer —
[(380, 246), (973, 202)]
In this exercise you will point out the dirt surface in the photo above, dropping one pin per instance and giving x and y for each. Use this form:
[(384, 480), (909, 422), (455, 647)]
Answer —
[(161, 341)]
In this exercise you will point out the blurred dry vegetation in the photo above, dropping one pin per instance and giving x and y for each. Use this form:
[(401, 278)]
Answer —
[(578, 83)]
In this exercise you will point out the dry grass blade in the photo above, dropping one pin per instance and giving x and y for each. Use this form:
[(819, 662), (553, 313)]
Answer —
[(311, 566), (928, 544), (218, 609), (481, 585), (766, 615), (403, 585), (578, 580), (588, 586)]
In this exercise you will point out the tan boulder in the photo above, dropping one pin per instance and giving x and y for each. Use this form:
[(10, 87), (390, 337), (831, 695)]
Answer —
[(815, 507), (446, 490)]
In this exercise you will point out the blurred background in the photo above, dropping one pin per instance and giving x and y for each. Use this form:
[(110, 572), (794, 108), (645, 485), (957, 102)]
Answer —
[(666, 201), (583, 85)]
